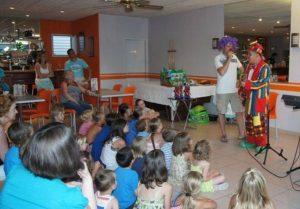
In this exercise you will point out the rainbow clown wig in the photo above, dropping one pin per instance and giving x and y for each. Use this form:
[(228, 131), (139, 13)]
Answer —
[(224, 41)]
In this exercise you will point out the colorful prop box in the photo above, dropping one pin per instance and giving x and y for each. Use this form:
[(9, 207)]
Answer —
[(176, 78)]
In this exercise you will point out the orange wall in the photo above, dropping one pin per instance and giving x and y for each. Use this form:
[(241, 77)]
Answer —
[(88, 25), (49, 27)]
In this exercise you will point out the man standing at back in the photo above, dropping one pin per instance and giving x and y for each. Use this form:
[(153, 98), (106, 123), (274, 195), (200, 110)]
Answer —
[(227, 65), (78, 66)]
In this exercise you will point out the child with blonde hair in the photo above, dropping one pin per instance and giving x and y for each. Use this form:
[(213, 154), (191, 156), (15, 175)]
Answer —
[(252, 192), (139, 149), (213, 180), (105, 182), (87, 119), (191, 197), (155, 140), (98, 123)]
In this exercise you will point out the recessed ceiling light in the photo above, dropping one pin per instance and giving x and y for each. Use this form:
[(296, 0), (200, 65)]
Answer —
[(24, 25), (12, 8), (62, 11), (233, 27), (253, 29), (13, 22), (16, 30), (278, 22), (27, 15), (260, 19)]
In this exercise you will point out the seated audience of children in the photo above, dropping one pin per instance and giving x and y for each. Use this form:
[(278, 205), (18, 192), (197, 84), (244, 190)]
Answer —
[(127, 179), (17, 133), (133, 164)]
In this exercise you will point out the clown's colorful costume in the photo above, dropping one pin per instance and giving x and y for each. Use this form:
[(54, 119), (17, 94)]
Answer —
[(256, 92)]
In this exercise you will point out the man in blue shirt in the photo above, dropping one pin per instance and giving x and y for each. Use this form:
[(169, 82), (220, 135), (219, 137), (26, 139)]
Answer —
[(4, 87), (77, 65)]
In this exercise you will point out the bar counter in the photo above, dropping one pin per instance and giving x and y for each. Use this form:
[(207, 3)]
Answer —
[(27, 77)]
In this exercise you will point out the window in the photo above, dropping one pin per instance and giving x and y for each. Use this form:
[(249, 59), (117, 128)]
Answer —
[(60, 44)]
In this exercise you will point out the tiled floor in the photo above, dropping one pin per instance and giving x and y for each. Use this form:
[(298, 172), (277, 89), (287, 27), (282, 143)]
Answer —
[(232, 160)]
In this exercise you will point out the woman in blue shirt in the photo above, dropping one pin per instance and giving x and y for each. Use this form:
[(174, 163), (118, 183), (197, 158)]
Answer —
[(51, 155)]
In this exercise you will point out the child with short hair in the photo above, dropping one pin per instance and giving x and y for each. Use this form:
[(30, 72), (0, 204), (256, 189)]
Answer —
[(125, 111), (182, 155), (168, 136), (252, 192), (213, 180), (127, 179), (191, 197), (139, 148), (87, 118), (154, 191), (18, 133), (114, 143), (105, 182), (58, 113), (99, 121), (142, 128), (155, 141)]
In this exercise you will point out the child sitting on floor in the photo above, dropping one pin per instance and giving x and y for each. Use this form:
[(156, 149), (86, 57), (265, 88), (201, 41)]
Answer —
[(114, 143), (105, 182), (155, 140), (132, 133), (58, 113), (87, 118), (127, 179), (153, 190), (139, 148), (252, 192), (99, 121), (182, 152), (213, 180), (17, 133), (125, 111), (168, 136), (142, 127), (191, 197)]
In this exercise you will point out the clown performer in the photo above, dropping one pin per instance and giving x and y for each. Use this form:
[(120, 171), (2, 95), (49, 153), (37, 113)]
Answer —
[(227, 65), (256, 93)]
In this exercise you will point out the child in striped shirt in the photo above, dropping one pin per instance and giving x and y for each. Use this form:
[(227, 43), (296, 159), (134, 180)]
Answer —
[(168, 136)]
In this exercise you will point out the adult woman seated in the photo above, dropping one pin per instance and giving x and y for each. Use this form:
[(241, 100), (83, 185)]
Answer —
[(37, 183), (43, 72), (72, 94), (7, 116)]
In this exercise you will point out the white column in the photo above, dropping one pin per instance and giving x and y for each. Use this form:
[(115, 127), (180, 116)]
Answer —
[(294, 71)]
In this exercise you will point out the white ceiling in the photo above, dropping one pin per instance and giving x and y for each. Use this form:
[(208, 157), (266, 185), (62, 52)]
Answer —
[(244, 17), (75, 9)]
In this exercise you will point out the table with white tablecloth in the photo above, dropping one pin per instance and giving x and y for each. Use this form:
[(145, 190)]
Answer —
[(152, 91)]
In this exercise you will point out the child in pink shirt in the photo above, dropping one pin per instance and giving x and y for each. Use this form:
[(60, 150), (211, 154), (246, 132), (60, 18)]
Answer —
[(87, 118)]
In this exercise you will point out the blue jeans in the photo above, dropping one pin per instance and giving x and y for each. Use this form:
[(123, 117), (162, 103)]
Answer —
[(79, 108)]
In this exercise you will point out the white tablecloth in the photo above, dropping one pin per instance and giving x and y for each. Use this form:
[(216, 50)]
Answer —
[(152, 91)]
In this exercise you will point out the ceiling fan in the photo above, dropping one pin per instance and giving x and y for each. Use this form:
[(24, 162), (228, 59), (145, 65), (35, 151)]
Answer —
[(129, 5)]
